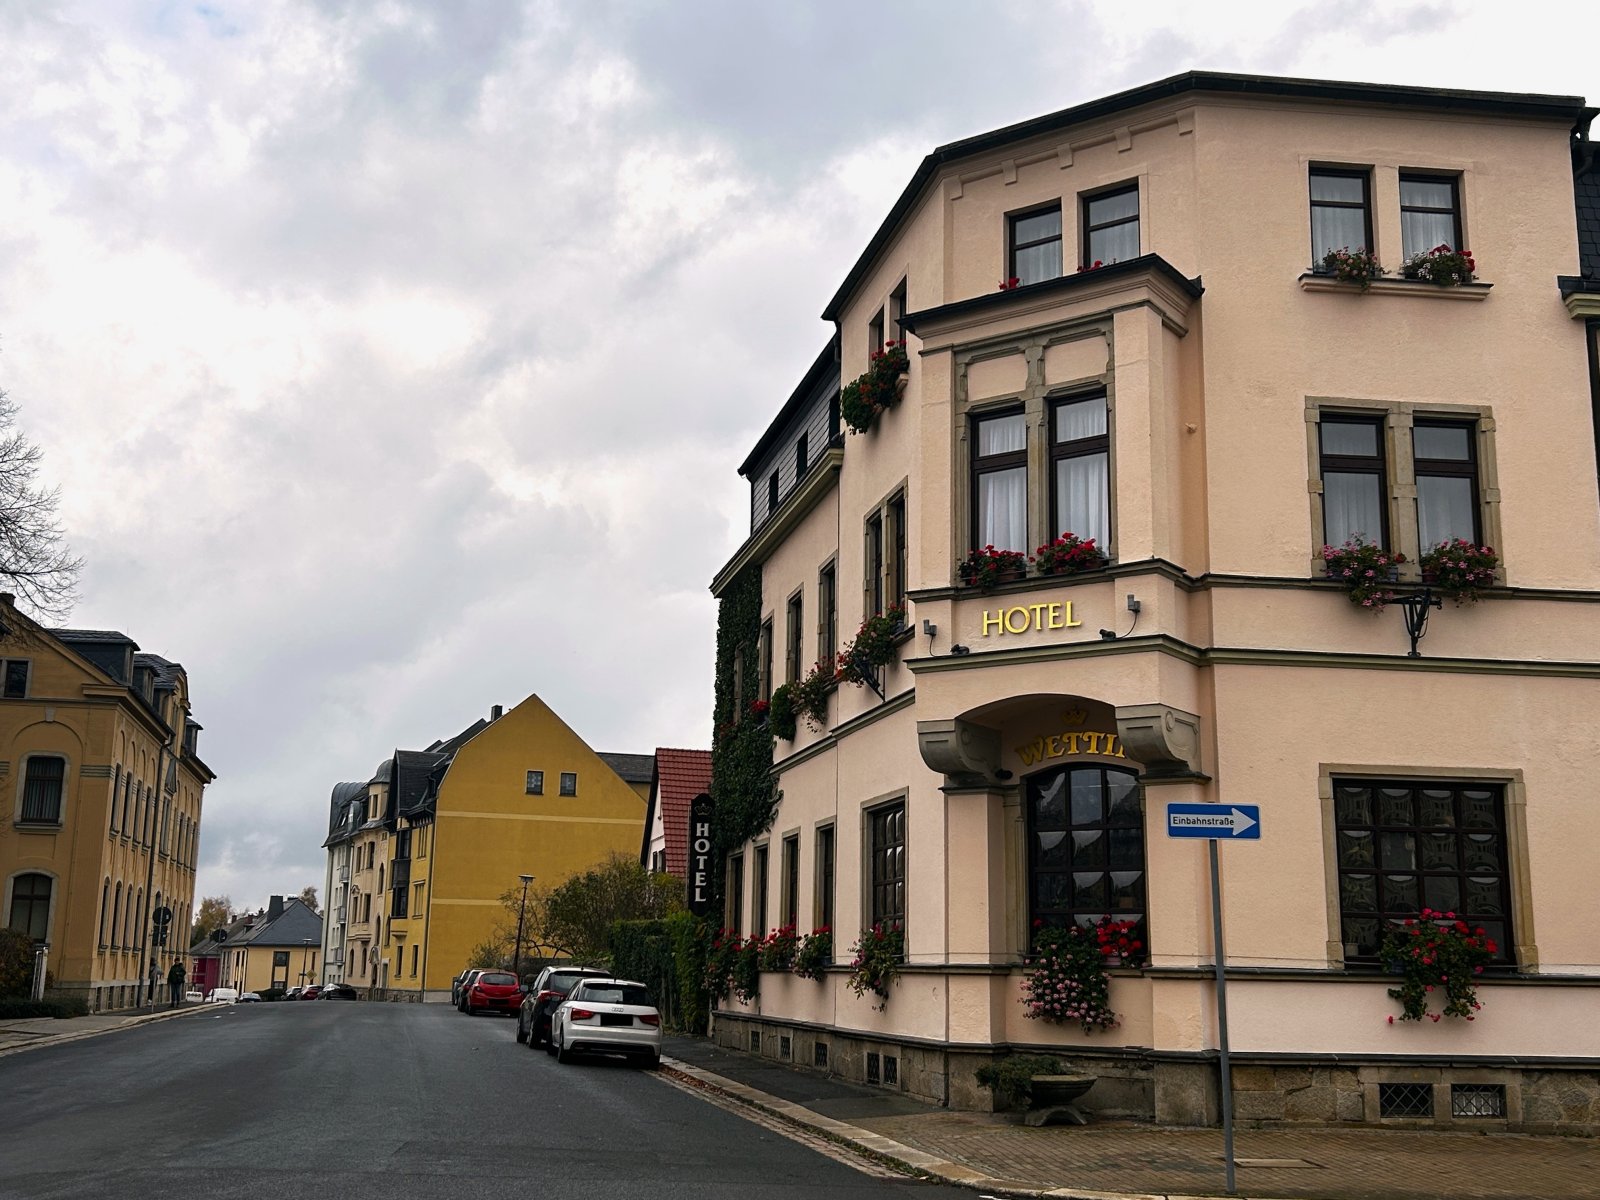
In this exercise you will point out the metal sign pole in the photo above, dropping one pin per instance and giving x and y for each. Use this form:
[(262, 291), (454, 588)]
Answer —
[(1222, 1014)]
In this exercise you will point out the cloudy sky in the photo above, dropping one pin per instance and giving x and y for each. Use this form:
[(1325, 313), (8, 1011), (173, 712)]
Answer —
[(395, 358)]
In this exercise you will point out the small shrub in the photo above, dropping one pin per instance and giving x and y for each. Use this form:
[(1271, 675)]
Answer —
[(1436, 952), (1068, 555), (746, 979), (782, 718), (1368, 571), (1459, 569), (986, 569), (814, 954), (776, 951), (872, 647), (1441, 265), (1011, 1078), (878, 954), (1352, 266), (874, 391), (20, 1008)]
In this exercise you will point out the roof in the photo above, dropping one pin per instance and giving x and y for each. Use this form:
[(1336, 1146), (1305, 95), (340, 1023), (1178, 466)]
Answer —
[(411, 771), (825, 363), (634, 768), (1554, 108), (166, 672), (681, 775), (343, 794), (1586, 192), (384, 771), (90, 635), (294, 927)]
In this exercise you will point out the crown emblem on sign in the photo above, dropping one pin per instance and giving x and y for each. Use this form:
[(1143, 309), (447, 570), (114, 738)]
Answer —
[(1074, 716)]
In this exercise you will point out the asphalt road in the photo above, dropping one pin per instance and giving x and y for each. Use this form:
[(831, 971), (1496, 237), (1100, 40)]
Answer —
[(380, 1100)]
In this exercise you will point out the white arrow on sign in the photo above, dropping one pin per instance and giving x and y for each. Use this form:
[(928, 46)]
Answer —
[(1234, 820)]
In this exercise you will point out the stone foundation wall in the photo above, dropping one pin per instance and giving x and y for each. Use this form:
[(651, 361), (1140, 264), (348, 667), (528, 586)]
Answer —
[(1185, 1091)]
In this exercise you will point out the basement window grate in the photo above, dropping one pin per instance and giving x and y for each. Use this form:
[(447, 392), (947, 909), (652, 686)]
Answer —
[(785, 1046), (891, 1071), (1405, 1100), (755, 1041), (819, 1054), (1471, 1100), (874, 1071)]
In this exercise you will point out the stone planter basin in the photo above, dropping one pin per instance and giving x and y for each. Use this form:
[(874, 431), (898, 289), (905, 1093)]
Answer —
[(1053, 1097)]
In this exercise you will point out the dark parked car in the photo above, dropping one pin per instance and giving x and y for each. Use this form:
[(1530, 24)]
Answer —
[(311, 993), (492, 991), (339, 991), (455, 987), (466, 982), (548, 990)]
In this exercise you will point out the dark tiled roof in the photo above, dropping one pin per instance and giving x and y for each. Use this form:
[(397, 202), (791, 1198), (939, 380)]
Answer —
[(384, 771), (339, 803), (166, 672), (681, 775), (90, 635), (296, 926), (1586, 190), (411, 771), (634, 768)]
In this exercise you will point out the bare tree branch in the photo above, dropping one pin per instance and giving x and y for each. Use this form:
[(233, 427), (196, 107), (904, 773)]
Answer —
[(35, 562)]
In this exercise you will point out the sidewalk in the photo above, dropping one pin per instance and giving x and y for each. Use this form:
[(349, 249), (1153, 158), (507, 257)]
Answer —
[(52, 1031), (995, 1152)]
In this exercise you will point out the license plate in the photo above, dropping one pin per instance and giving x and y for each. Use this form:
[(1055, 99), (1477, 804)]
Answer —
[(615, 1019)]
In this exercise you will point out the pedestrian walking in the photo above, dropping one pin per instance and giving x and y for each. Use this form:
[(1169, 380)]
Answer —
[(175, 981)]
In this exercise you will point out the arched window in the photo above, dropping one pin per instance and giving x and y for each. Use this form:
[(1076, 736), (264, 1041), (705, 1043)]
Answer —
[(42, 787), (116, 918), (1085, 846), (135, 934), (116, 786), (105, 910), (30, 905)]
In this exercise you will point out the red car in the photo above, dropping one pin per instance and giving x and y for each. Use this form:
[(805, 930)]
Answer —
[(493, 991), (311, 993)]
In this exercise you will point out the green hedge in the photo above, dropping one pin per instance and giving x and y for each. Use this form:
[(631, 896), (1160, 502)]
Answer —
[(17, 1008), (668, 956)]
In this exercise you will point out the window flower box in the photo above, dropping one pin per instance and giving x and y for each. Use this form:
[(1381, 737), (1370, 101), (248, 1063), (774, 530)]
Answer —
[(1357, 266), (877, 389), (1068, 555), (1368, 571), (1458, 569), (988, 568), (1441, 266)]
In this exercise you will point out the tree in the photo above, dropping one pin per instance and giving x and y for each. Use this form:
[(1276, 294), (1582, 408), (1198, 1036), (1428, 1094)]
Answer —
[(34, 560), (308, 897), (214, 912)]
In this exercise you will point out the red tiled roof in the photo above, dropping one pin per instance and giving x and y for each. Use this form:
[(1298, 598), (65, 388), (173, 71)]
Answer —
[(681, 776)]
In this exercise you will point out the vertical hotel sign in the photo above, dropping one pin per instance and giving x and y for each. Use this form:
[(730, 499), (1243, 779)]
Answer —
[(701, 890)]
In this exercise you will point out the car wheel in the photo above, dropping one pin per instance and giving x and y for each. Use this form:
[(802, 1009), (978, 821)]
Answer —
[(563, 1055), (651, 1061), (550, 1044), (522, 1031)]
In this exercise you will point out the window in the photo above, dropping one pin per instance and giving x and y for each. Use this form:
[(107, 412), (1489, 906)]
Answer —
[(873, 585), (1085, 846), (16, 678), (1430, 213), (116, 787), (887, 847), (1405, 1100), (1354, 487), (116, 917), (794, 664), (1406, 846), (569, 783), (1447, 482), (30, 905), (1111, 226), (764, 685), (1472, 1100), (897, 313), (801, 456), (896, 562), (41, 790), (417, 899), (414, 961), (772, 492), (823, 908), (789, 905), (105, 910), (736, 893), (535, 784), (1036, 245), (1080, 477), (827, 615), (1000, 482), (758, 897), (1341, 216), (875, 333)]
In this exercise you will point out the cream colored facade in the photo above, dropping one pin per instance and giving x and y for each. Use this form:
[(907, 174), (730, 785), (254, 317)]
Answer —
[(1244, 677), (104, 789)]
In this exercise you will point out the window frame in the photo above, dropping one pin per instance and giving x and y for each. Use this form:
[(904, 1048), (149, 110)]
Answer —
[(1349, 464), (53, 890), (1089, 229), (872, 599), (828, 612), (1506, 860), (802, 453), (1448, 468), (825, 875), (794, 634), (1057, 451), (760, 885), (1364, 174), (25, 779), (533, 784), (735, 893), (764, 682), (569, 783), (885, 876), (979, 465), (789, 882), (897, 312), (1424, 176), (895, 551), (6, 666), (1031, 785), (1013, 245)]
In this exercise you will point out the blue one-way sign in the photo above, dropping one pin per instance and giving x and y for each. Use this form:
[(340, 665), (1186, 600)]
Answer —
[(1230, 821)]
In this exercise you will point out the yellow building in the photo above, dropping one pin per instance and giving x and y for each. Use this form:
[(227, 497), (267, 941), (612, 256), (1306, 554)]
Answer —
[(105, 786), (522, 795), (275, 948)]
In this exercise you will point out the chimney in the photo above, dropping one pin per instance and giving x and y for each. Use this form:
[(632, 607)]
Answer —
[(274, 908), (9, 599), (496, 713)]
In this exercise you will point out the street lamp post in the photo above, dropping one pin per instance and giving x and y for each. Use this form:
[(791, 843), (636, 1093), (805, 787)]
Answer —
[(522, 912)]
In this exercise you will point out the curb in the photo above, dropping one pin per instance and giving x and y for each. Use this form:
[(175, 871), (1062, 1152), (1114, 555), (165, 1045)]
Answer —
[(914, 1162), (61, 1039)]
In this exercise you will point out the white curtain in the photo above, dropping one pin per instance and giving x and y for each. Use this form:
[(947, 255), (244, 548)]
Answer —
[(1003, 509), (1351, 508), (1444, 510), (1083, 497)]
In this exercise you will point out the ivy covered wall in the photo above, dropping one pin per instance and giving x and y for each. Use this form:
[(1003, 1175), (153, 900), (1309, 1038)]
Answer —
[(742, 789)]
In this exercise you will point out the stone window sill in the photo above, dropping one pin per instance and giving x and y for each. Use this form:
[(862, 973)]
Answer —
[(38, 826), (1310, 281)]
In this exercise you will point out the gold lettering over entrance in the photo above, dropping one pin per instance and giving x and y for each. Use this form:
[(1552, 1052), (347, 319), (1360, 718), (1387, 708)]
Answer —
[(1069, 741), (1025, 617)]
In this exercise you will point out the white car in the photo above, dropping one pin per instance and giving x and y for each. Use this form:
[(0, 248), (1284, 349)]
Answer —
[(222, 995), (607, 1016)]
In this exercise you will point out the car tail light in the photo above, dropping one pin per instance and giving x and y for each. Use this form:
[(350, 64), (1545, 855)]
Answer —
[(650, 1018), (580, 1014)]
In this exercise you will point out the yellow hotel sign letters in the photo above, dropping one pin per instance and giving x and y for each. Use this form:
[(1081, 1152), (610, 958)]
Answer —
[(1059, 745), (1025, 617)]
